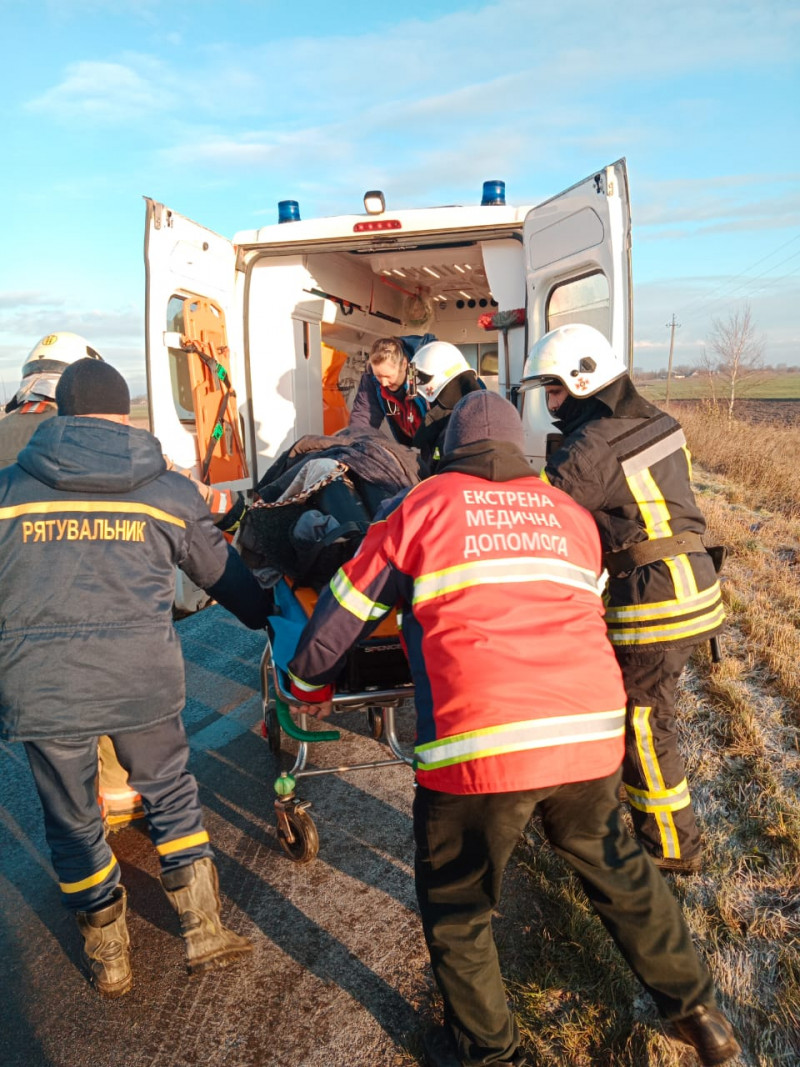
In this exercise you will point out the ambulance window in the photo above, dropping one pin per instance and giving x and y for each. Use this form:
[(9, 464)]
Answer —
[(584, 300), (481, 357), (178, 363), (470, 354), (488, 357)]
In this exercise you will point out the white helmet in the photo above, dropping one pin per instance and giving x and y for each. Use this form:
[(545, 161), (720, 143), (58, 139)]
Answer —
[(577, 356), (435, 364), (55, 352)]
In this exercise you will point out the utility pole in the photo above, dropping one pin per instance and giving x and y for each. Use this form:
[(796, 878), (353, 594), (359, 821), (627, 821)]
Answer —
[(671, 326)]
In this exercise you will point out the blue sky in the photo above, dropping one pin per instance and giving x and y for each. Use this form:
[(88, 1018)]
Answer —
[(221, 109)]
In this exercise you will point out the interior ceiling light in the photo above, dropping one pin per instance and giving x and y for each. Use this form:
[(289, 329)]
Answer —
[(459, 269), (432, 272), (467, 296), (398, 272), (374, 202)]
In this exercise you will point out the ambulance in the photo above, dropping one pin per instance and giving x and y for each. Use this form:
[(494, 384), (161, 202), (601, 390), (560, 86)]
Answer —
[(254, 342)]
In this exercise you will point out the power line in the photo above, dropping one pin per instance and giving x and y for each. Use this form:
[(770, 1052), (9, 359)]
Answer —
[(739, 288), (730, 281)]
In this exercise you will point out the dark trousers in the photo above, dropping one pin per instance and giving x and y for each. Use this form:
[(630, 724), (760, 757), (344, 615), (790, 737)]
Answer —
[(65, 773), (463, 844), (653, 770)]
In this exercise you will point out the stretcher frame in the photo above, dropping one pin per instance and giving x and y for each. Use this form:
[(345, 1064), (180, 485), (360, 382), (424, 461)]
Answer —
[(297, 833)]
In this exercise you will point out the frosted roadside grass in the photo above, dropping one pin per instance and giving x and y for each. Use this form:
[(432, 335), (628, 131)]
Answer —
[(577, 1002)]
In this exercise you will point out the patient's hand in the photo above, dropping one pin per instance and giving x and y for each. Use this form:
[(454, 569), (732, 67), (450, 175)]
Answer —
[(320, 711)]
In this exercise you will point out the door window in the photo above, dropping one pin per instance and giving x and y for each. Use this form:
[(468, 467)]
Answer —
[(586, 299)]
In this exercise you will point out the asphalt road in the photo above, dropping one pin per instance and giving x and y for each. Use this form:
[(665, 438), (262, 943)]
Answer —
[(339, 973)]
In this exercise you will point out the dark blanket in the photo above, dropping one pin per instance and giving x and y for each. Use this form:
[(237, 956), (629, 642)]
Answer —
[(375, 459)]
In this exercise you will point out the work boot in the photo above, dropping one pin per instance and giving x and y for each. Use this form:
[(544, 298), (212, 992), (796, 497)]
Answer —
[(690, 865), (439, 1050), (710, 1034), (106, 945), (193, 892)]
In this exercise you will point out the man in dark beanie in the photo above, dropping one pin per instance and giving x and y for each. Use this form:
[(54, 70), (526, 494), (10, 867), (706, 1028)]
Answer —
[(87, 387), (500, 579), (90, 504)]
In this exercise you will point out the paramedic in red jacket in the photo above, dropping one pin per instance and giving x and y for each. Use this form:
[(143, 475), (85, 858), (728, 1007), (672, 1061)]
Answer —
[(520, 705)]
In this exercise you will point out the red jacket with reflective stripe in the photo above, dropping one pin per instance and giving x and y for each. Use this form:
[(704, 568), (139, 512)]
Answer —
[(516, 683)]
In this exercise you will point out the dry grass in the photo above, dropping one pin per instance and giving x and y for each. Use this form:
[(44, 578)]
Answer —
[(577, 1002), (762, 462)]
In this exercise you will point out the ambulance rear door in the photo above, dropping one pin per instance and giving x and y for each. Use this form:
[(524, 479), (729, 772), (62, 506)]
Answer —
[(577, 251), (197, 393)]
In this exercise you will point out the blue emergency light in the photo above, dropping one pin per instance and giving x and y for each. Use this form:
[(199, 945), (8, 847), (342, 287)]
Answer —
[(288, 211), (494, 192)]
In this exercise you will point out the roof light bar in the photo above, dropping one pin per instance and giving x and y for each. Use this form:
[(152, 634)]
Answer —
[(494, 192), (288, 211)]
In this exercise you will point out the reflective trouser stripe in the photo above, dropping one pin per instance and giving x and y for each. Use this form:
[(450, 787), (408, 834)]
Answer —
[(660, 800), (180, 844), (640, 718), (92, 880)]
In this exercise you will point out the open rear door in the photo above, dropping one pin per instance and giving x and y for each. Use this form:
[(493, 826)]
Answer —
[(578, 269), (193, 348), (193, 352)]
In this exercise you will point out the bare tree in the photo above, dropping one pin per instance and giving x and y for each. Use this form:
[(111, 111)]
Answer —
[(740, 353), (708, 369)]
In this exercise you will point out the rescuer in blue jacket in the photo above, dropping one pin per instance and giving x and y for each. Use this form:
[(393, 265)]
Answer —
[(385, 392), (92, 526)]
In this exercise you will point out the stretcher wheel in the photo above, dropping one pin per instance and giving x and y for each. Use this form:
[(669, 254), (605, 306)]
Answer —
[(305, 845), (273, 728), (375, 717)]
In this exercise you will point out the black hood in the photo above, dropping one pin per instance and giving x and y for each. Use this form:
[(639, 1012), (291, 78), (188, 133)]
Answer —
[(78, 454), (497, 461), (618, 400)]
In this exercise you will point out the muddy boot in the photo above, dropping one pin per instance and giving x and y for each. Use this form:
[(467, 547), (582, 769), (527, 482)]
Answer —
[(193, 892), (106, 945)]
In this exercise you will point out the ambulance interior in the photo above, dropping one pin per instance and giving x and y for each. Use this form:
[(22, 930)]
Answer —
[(339, 302), (439, 291), (311, 315)]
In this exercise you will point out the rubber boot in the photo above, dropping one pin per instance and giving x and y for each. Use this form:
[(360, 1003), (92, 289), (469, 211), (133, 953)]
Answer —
[(106, 945), (193, 892)]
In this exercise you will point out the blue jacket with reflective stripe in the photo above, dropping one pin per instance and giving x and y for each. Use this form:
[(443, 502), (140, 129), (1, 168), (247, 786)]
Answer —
[(92, 526)]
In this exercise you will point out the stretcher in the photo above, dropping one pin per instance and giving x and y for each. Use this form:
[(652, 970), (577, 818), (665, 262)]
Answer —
[(375, 677)]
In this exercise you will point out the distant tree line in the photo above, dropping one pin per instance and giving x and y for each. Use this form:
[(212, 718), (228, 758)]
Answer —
[(689, 370)]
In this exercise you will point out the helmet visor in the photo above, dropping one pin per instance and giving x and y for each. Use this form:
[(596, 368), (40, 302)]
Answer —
[(536, 383)]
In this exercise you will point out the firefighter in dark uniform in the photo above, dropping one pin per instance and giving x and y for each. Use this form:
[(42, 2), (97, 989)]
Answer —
[(442, 377), (35, 401), (627, 462), (93, 651), (500, 581)]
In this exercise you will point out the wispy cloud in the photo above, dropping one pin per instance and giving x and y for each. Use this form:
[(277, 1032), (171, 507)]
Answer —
[(107, 92), (226, 112)]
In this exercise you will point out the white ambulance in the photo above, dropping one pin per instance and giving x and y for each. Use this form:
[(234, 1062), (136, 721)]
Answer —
[(254, 342)]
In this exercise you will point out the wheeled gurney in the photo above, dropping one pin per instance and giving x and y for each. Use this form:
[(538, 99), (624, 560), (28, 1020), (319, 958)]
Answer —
[(375, 677)]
